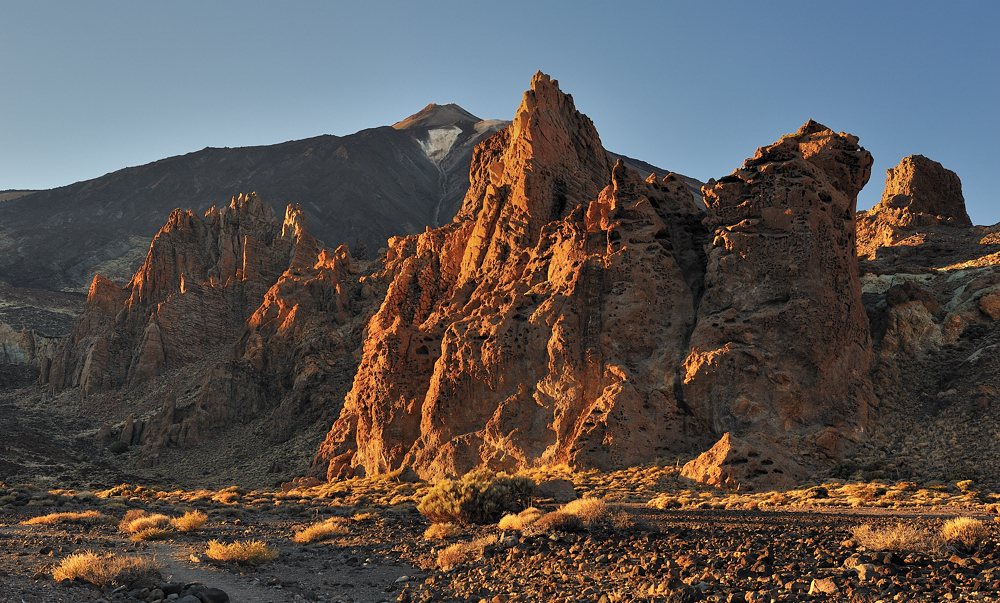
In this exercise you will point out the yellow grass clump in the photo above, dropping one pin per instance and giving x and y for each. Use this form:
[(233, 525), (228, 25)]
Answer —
[(464, 552), (190, 521), (154, 533), (334, 526), (441, 531), (143, 526), (966, 532), (898, 537), (590, 510), (110, 570), (89, 517), (144, 522), (250, 552), (557, 520), (519, 521)]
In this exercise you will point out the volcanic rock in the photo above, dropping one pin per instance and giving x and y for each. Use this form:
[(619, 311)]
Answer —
[(919, 193), (201, 280), (552, 321), (295, 355), (745, 464), (782, 342)]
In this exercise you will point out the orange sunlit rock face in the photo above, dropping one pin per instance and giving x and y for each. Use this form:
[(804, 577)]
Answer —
[(194, 292), (919, 193), (570, 313), (782, 338)]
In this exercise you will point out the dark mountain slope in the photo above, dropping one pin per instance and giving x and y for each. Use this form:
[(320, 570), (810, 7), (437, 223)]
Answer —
[(370, 185)]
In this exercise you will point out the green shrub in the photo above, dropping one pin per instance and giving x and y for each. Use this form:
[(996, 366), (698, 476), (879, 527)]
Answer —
[(118, 447), (479, 497)]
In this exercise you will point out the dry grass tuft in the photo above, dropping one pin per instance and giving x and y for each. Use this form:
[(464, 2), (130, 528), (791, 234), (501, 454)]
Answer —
[(130, 516), (250, 552), (110, 570), (464, 552), (557, 520), (966, 532), (441, 531), (145, 522), (88, 517), (591, 511), (520, 521), (898, 537), (153, 533), (335, 526), (143, 526), (190, 521)]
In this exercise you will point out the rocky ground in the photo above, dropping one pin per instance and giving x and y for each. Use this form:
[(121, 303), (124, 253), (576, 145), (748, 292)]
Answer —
[(661, 538)]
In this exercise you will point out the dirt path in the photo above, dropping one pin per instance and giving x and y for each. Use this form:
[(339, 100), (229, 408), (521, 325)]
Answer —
[(282, 582)]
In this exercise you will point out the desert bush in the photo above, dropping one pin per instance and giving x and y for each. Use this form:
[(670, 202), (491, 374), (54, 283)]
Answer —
[(440, 531), (109, 570), (118, 447), (519, 521), (464, 552), (965, 532), (250, 552), (334, 526), (190, 521), (479, 497), (88, 517), (898, 537)]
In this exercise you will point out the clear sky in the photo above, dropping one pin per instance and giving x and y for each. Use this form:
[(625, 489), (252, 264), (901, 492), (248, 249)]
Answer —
[(91, 87)]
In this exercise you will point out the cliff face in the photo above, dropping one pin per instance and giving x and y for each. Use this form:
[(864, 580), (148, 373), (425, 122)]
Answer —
[(782, 339), (295, 356), (554, 320), (201, 280)]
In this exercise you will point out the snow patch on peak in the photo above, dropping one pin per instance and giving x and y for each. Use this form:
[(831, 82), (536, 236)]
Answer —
[(439, 142), (487, 124)]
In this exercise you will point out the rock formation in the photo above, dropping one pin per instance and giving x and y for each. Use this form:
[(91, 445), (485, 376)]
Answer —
[(781, 342), (919, 193), (735, 463), (570, 313), (201, 280), (294, 357)]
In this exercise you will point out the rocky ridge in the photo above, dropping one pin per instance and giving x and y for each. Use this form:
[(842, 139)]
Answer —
[(593, 318), (567, 296), (251, 305)]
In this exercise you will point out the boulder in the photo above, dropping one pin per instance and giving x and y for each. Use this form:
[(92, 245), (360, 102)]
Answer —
[(750, 463), (559, 490)]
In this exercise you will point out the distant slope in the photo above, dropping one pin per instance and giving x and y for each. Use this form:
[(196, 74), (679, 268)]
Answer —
[(370, 185)]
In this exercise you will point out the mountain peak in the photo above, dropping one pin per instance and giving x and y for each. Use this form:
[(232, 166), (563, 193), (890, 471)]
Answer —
[(434, 115)]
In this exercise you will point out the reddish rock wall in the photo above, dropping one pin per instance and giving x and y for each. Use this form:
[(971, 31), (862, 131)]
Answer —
[(782, 342), (552, 321), (201, 280)]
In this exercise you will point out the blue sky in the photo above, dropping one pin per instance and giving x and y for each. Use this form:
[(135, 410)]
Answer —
[(91, 87)]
